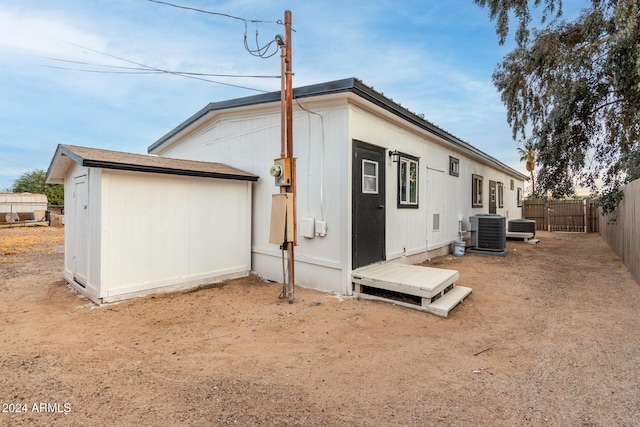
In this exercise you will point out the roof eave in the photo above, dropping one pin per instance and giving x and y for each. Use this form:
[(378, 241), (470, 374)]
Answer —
[(352, 85), (166, 171), (57, 169), (61, 151), (337, 86)]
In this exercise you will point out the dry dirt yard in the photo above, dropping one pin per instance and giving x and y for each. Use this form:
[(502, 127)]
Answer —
[(549, 336)]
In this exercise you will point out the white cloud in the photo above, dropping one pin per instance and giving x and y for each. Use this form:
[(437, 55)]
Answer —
[(42, 35)]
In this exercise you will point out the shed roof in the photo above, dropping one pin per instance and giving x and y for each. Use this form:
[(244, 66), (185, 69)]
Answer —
[(349, 85), (107, 159)]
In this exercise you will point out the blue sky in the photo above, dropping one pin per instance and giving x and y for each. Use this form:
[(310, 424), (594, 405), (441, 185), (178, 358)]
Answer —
[(435, 58)]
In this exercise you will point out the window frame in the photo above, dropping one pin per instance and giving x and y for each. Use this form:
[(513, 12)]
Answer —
[(477, 182), (376, 177), (519, 197), (500, 187), (407, 203), (454, 166)]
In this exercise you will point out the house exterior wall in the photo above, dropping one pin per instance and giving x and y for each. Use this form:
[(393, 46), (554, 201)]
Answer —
[(149, 232), (249, 138), (410, 233)]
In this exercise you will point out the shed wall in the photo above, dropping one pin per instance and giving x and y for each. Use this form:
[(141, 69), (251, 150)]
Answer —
[(82, 230), (166, 230), (131, 233)]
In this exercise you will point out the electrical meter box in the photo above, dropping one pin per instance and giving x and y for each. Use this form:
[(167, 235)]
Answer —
[(281, 172), (281, 229)]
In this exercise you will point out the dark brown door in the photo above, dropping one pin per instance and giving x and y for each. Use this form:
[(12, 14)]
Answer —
[(368, 245)]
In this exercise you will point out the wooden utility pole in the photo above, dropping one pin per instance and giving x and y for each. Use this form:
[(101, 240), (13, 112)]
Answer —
[(287, 151)]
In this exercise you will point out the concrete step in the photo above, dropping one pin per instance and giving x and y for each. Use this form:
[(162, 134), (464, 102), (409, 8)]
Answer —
[(443, 305), (416, 280)]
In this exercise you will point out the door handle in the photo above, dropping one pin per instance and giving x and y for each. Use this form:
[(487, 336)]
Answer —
[(380, 206)]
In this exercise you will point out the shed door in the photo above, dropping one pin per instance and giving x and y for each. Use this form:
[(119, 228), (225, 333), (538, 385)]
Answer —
[(492, 197), (81, 211), (368, 218)]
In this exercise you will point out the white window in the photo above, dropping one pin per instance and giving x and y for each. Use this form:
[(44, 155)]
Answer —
[(408, 182), (454, 166), (476, 201), (500, 195), (369, 177), (519, 197)]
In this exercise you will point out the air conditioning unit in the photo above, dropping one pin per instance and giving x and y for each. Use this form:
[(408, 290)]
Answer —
[(488, 232), (522, 226)]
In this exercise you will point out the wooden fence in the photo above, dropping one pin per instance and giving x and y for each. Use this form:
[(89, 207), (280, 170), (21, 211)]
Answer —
[(622, 230), (562, 215)]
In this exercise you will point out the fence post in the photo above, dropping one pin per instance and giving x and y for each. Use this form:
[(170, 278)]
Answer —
[(547, 209)]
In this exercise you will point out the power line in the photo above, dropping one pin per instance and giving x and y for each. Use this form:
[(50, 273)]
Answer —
[(261, 52), (215, 13), (86, 70), (159, 70), (138, 70), (19, 164)]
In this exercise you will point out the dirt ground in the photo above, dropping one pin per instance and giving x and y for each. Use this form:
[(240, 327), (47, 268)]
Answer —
[(549, 336)]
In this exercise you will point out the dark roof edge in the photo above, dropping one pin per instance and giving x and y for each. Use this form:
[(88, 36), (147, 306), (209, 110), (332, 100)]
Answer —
[(382, 101), (336, 86), (62, 150), (166, 171), (352, 85)]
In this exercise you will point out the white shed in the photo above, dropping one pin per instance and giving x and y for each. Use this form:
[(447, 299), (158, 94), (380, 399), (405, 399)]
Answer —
[(375, 181), (139, 224)]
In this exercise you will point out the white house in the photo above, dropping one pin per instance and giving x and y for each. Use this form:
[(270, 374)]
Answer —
[(387, 184), (137, 224)]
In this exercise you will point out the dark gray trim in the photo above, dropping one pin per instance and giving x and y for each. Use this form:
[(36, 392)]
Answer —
[(456, 161), (137, 167), (399, 204), (166, 171), (474, 192), (70, 154), (337, 86), (354, 86)]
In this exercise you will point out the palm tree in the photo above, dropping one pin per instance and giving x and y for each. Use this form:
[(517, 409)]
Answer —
[(528, 155)]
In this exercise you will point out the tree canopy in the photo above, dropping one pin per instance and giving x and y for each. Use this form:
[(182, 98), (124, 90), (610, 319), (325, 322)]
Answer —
[(572, 91), (33, 182)]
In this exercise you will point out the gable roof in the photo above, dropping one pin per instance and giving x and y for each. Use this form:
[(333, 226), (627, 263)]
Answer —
[(349, 85), (107, 159)]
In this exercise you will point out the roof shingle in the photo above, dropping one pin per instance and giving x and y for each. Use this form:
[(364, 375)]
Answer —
[(94, 157)]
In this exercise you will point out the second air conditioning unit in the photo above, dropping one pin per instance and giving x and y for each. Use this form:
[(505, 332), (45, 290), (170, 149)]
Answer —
[(522, 226)]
